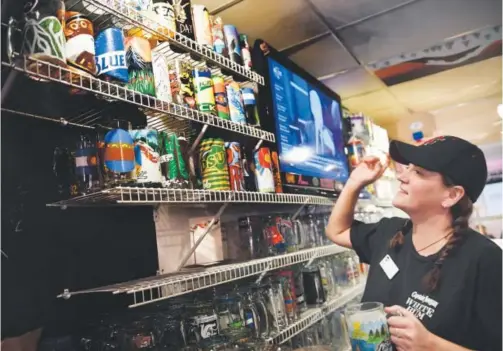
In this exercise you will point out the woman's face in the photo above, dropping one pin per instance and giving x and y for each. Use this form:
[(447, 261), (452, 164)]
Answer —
[(422, 190)]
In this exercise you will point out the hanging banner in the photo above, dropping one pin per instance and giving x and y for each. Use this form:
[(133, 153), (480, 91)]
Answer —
[(460, 51)]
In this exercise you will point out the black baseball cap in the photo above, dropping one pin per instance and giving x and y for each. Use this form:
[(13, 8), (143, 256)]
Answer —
[(461, 161)]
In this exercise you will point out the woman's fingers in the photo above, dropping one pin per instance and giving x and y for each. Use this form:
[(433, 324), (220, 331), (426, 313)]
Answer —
[(398, 322), (371, 161), (370, 158), (399, 343), (398, 311), (387, 161), (374, 163)]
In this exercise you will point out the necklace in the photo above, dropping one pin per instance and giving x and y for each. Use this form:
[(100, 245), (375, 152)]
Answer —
[(439, 240)]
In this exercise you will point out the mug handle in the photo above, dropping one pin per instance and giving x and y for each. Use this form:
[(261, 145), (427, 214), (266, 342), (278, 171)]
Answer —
[(10, 45), (302, 244), (345, 330)]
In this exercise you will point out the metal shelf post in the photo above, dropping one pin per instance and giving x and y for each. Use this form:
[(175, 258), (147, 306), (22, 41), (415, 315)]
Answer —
[(213, 221)]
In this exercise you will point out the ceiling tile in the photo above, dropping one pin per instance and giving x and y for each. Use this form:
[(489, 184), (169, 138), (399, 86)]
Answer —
[(373, 103), (212, 4), (323, 57), (281, 23), (479, 115), (451, 87), (353, 82), (419, 25), (341, 12), (388, 115)]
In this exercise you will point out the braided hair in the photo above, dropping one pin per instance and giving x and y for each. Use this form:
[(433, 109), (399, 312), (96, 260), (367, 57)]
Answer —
[(460, 213)]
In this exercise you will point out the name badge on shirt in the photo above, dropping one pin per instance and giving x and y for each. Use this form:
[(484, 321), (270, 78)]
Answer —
[(389, 267)]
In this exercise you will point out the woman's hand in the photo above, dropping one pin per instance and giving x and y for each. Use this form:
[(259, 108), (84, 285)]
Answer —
[(407, 332), (368, 171)]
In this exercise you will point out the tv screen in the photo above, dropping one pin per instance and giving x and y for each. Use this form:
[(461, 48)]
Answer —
[(308, 124)]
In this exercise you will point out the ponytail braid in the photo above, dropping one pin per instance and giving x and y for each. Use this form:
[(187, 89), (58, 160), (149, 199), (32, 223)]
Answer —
[(398, 239), (460, 213)]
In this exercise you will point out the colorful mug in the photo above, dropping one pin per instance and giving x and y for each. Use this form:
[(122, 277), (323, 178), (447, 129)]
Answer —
[(44, 37), (368, 327), (79, 34)]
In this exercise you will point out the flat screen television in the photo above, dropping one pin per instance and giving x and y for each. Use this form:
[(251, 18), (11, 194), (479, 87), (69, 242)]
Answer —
[(306, 118)]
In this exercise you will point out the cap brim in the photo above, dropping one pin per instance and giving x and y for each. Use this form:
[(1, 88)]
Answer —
[(409, 154)]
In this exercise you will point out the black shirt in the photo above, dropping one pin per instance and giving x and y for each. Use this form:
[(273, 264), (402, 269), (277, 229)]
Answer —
[(465, 309)]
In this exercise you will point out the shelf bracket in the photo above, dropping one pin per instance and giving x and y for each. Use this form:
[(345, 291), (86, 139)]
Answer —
[(66, 294), (259, 143), (311, 260), (262, 275), (198, 139), (296, 214), (155, 212), (213, 221), (11, 77)]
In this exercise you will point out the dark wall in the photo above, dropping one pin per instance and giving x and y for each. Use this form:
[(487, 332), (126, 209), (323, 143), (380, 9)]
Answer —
[(53, 249)]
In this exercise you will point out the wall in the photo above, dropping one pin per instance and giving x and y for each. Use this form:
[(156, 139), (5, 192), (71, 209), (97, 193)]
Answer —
[(49, 249), (400, 130)]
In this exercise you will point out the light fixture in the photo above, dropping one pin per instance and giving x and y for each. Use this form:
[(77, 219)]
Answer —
[(500, 110), (298, 155)]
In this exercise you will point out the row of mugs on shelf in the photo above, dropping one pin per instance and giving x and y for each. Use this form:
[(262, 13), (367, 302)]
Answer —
[(148, 158), (131, 60), (234, 316)]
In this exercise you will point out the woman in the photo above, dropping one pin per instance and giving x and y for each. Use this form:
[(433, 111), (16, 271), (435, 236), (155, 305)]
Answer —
[(441, 279)]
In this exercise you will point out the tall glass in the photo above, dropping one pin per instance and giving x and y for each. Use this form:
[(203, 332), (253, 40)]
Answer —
[(301, 237), (285, 226), (262, 311), (368, 327)]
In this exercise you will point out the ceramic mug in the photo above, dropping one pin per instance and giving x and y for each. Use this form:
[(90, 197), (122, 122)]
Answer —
[(368, 327), (43, 35)]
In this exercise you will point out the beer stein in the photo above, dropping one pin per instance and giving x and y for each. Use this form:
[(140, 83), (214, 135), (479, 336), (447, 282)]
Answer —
[(201, 324), (286, 228), (229, 310), (300, 234), (313, 286), (264, 327), (275, 302)]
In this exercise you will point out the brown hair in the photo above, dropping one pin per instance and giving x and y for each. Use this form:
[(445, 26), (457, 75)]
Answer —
[(460, 213)]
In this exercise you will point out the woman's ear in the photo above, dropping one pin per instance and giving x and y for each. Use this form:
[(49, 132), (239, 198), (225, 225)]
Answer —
[(454, 194)]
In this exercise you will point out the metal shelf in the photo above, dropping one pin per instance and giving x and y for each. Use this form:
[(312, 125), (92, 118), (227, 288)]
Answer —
[(150, 196), (307, 319), (151, 290), (126, 17), (314, 315), (346, 297), (159, 113)]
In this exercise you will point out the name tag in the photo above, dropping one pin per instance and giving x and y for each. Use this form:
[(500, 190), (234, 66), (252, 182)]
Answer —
[(389, 267)]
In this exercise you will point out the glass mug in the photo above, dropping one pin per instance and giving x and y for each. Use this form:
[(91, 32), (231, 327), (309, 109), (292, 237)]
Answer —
[(368, 327)]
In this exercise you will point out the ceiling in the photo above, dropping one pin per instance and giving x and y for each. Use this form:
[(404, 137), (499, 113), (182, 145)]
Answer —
[(461, 101)]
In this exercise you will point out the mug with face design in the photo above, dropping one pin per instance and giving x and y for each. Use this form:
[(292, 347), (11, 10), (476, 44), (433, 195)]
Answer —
[(368, 327), (80, 49), (162, 14), (43, 35)]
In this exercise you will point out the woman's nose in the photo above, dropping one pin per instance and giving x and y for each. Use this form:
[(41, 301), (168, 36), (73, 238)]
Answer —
[(402, 174)]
